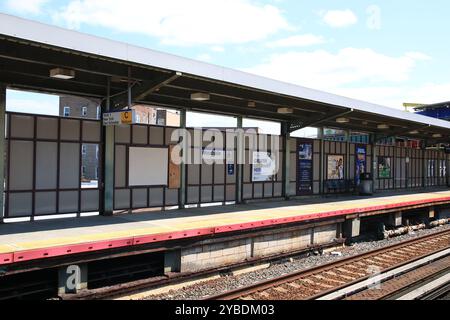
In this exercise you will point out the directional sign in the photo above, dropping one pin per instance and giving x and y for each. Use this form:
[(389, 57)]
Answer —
[(119, 118)]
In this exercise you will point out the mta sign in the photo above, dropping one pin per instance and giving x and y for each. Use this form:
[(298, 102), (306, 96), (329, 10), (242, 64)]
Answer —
[(119, 118)]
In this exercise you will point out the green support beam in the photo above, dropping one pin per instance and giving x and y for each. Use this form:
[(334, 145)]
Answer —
[(348, 134), (424, 164), (240, 156), (285, 127), (2, 148), (183, 166), (108, 167), (321, 136), (373, 141)]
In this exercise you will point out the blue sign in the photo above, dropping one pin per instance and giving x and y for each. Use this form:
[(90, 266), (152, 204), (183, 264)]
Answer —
[(230, 169), (361, 152), (304, 168)]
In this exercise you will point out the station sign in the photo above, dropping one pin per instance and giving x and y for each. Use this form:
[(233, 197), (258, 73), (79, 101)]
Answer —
[(118, 118)]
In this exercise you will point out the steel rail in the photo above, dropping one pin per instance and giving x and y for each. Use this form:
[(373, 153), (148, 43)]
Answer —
[(271, 283)]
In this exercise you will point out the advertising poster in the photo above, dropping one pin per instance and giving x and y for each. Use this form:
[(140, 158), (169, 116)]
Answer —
[(384, 167), (335, 167), (361, 152), (263, 167), (304, 168)]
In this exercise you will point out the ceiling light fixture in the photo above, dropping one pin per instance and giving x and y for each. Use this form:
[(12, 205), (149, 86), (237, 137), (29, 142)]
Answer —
[(251, 104), (61, 73), (200, 96), (383, 126), (285, 110), (342, 120), (437, 135)]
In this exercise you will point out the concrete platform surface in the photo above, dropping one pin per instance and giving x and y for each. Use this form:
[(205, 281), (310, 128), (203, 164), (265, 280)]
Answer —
[(49, 238)]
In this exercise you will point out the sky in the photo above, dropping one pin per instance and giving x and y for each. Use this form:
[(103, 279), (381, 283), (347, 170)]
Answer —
[(385, 52)]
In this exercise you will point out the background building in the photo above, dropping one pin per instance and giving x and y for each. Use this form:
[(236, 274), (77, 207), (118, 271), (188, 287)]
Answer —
[(78, 107)]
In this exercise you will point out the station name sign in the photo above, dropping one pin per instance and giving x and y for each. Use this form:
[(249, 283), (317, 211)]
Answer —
[(119, 118)]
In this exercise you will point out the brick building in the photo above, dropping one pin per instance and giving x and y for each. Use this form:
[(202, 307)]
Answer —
[(77, 107)]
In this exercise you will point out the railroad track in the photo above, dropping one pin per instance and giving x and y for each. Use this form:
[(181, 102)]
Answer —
[(323, 280)]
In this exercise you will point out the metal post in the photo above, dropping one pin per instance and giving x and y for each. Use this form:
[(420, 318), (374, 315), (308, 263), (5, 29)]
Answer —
[(447, 168), (286, 159), (374, 161), (424, 164), (2, 149), (240, 158), (129, 88), (108, 166), (182, 190), (321, 136), (347, 154)]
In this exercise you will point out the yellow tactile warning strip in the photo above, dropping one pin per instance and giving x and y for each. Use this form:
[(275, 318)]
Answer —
[(127, 228)]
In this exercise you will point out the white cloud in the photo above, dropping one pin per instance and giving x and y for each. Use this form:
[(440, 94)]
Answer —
[(303, 40), (179, 22), (357, 73), (339, 18), (26, 6), (395, 96), (324, 70), (218, 49)]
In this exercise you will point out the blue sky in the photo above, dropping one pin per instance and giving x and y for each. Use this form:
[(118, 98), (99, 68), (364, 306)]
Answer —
[(387, 52)]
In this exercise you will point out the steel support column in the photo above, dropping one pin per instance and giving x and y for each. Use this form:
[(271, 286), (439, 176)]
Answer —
[(183, 166), (240, 147), (2, 148), (286, 159), (321, 136), (374, 164), (108, 166), (424, 164), (347, 154)]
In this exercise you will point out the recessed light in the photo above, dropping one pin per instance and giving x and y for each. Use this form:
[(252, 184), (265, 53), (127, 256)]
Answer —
[(383, 126), (285, 110), (61, 73), (342, 120), (437, 135), (414, 132), (251, 104), (200, 96)]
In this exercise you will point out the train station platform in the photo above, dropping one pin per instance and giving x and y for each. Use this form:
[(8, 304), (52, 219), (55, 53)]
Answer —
[(44, 239)]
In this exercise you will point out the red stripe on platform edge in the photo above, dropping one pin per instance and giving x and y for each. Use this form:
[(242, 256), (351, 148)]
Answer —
[(50, 252), (57, 251), (6, 258), (172, 235), (110, 244)]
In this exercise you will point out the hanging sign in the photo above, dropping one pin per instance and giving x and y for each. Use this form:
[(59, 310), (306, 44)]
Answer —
[(119, 118)]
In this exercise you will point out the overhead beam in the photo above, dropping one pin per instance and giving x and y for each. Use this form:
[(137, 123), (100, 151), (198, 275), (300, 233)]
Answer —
[(79, 62), (211, 106), (51, 85), (142, 90), (397, 133), (236, 93), (320, 120)]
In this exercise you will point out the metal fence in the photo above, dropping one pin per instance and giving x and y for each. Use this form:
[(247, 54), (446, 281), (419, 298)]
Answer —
[(44, 166)]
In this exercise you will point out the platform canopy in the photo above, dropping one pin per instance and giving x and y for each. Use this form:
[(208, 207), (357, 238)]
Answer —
[(30, 51)]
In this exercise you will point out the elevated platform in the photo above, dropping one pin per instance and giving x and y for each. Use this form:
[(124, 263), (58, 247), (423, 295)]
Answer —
[(44, 239)]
